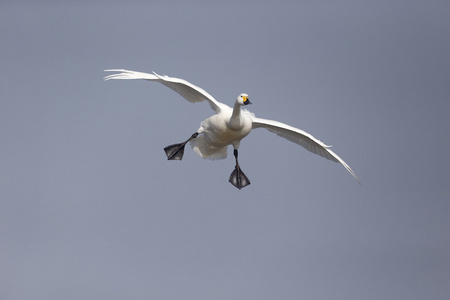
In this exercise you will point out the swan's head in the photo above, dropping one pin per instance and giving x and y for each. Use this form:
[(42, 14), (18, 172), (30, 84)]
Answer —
[(242, 99)]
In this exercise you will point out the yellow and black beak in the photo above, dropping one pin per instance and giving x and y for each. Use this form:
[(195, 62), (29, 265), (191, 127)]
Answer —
[(246, 101)]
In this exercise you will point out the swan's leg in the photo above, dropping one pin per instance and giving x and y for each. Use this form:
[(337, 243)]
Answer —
[(237, 177), (176, 151)]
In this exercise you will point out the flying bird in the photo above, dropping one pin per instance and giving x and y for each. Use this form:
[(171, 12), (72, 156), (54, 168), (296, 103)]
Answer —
[(228, 126)]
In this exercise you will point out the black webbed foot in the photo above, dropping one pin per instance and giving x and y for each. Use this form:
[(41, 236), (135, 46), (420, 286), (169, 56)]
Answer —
[(176, 151), (238, 178)]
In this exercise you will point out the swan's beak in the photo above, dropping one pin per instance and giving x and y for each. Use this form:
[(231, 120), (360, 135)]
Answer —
[(246, 101)]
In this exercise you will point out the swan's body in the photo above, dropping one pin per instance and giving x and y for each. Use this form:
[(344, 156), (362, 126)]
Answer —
[(228, 126), (221, 130)]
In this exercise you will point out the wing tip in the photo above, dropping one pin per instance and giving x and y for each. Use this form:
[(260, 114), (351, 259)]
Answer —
[(128, 74), (120, 75)]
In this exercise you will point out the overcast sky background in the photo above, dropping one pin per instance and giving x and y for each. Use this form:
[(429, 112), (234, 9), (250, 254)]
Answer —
[(91, 209)]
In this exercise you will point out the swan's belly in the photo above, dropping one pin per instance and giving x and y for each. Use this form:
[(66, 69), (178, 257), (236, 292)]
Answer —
[(218, 133)]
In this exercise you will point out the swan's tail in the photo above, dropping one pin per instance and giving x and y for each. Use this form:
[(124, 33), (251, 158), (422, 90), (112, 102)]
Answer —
[(202, 148)]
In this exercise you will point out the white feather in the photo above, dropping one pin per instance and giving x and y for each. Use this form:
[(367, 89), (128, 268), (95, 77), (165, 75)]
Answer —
[(185, 89)]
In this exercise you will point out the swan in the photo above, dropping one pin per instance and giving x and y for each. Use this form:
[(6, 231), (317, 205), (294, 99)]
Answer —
[(227, 127)]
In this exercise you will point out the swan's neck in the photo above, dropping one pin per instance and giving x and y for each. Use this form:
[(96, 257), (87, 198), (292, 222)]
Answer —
[(235, 120)]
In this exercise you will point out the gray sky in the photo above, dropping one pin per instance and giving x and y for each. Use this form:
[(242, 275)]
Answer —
[(91, 209)]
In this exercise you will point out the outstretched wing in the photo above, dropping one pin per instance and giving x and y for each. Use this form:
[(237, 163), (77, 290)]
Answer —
[(187, 90), (301, 138)]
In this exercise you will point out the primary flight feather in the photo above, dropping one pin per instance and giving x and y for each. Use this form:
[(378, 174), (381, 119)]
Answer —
[(228, 126)]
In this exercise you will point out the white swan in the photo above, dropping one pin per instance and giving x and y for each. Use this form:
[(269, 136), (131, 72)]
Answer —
[(227, 127)]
